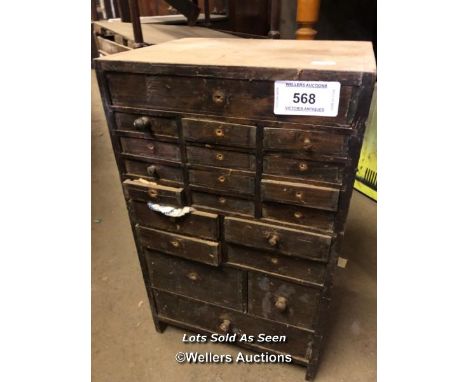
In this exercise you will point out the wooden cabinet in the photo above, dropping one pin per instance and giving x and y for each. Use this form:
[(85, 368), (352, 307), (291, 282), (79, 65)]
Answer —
[(192, 124)]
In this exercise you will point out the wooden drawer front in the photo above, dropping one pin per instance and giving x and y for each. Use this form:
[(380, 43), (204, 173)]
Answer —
[(220, 158), (146, 124), (223, 203), (281, 301), (150, 148), (223, 180), (221, 133), (152, 192), (221, 286), (301, 194), (225, 97), (299, 168), (306, 141), (307, 217), (155, 171), (204, 251), (210, 318), (286, 267), (106, 46), (196, 223), (280, 239)]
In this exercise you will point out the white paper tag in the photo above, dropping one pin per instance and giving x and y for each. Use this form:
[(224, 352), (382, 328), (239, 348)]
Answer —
[(307, 98)]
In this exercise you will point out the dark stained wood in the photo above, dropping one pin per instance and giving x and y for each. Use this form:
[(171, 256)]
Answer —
[(204, 251), (283, 240), (220, 286), (217, 132), (196, 223), (156, 193), (150, 148), (285, 267), (281, 301), (156, 126), (300, 194), (223, 203), (224, 180), (136, 24), (214, 156), (162, 174)]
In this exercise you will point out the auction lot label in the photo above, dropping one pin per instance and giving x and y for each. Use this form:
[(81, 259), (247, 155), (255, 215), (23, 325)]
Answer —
[(314, 98)]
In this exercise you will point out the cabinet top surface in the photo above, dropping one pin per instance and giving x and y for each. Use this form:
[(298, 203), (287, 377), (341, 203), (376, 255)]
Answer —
[(348, 56)]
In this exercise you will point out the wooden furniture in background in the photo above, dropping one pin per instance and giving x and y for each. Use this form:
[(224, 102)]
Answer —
[(275, 11), (307, 17), (192, 124)]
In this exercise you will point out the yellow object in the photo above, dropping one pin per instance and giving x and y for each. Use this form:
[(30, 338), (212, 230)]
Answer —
[(366, 176)]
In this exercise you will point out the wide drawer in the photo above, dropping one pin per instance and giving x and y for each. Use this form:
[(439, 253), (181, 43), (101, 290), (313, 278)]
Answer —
[(282, 301), (220, 158), (220, 133), (143, 190), (219, 96), (223, 203), (284, 240), (222, 286), (304, 169), (148, 125), (305, 141), (286, 267), (200, 250), (202, 316), (150, 148), (196, 223), (223, 180), (300, 194), (154, 171), (307, 217)]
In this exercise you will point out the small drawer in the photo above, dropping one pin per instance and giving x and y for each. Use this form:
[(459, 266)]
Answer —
[(154, 171), (200, 250), (145, 191), (223, 203), (300, 194), (289, 241), (305, 141), (150, 148), (307, 217), (220, 133), (220, 158), (223, 180), (302, 271), (222, 286), (147, 125), (282, 301), (305, 169), (196, 223), (213, 319)]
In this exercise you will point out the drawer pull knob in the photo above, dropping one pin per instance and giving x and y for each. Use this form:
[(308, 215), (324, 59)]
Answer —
[(142, 123), (303, 166), (273, 239), (281, 303), (299, 194), (222, 200), (218, 97), (222, 179), (153, 193), (307, 144), (219, 156), (193, 276), (175, 243), (150, 147), (151, 170), (225, 326), (298, 215), (219, 132)]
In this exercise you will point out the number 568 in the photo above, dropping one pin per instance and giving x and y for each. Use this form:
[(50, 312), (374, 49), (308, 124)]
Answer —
[(304, 98)]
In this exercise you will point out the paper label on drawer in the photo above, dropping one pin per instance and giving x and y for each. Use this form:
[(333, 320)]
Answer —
[(318, 98)]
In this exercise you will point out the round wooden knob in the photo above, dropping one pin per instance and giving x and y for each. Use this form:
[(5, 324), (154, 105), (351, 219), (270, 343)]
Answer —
[(150, 146), (298, 215), (303, 166), (222, 179), (218, 97), (193, 276), (225, 326), (175, 243), (219, 156), (142, 123), (273, 239), (281, 303), (151, 170), (299, 194), (152, 192), (219, 132), (307, 144), (222, 200)]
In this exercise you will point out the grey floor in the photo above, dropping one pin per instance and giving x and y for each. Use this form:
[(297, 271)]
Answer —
[(125, 346)]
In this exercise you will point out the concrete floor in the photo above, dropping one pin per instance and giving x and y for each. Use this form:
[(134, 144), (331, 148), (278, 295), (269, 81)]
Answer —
[(125, 345)]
